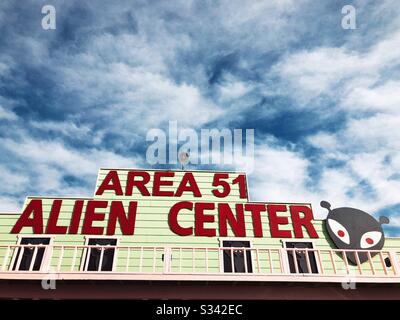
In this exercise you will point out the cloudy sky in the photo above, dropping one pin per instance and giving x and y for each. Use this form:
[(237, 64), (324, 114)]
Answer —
[(323, 101)]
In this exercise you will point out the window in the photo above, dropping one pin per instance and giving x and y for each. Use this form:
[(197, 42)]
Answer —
[(298, 258), (238, 259), (388, 263), (30, 258), (101, 259)]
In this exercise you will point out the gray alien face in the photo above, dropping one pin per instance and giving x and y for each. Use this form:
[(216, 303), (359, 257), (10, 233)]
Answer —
[(354, 229)]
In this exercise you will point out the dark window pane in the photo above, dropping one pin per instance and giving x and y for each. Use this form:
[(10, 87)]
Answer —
[(298, 257), (95, 254), (238, 256), (26, 254)]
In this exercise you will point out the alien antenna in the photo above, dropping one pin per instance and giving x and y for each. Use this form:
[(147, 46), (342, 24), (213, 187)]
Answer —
[(326, 205), (383, 220)]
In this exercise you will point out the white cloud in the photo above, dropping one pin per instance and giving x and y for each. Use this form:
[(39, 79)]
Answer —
[(42, 166), (279, 174), (232, 89), (283, 175), (314, 72), (381, 98), (332, 70), (375, 133), (12, 180), (395, 221), (362, 85), (139, 99), (67, 128), (129, 81), (10, 204), (56, 154), (7, 114)]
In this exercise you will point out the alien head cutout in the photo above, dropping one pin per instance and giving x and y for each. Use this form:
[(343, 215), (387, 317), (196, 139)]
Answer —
[(354, 229)]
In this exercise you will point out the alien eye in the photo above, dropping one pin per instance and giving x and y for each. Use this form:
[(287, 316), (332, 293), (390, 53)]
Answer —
[(339, 230), (369, 239)]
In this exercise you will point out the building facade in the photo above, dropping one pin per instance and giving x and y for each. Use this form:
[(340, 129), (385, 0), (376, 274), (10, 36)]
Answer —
[(191, 234)]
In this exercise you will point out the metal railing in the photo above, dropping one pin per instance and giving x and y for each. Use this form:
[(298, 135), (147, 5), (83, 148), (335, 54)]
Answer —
[(250, 262)]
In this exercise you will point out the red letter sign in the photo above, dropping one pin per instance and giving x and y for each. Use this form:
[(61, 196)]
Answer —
[(52, 226), (173, 218), (188, 178), (236, 223), (110, 182), (275, 221), (218, 182), (34, 207), (91, 216), (158, 183), (117, 212), (139, 184), (202, 218), (256, 209), (305, 221)]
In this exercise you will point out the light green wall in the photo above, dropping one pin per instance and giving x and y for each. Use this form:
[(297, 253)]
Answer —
[(152, 229)]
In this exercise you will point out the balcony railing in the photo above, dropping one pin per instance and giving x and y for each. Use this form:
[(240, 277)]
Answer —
[(196, 263)]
